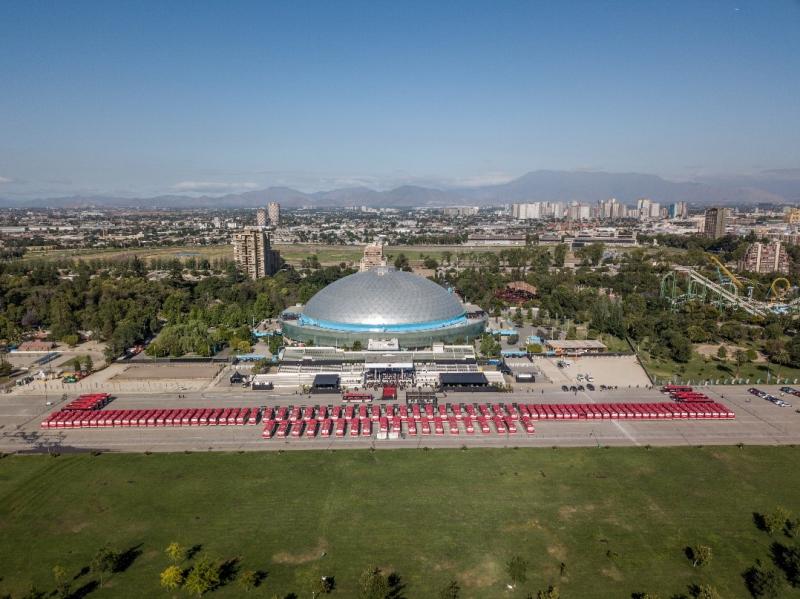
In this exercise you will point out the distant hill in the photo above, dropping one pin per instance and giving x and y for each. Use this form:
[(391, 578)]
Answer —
[(778, 186)]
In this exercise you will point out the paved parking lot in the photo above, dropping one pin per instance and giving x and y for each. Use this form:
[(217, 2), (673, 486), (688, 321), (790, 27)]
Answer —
[(757, 422)]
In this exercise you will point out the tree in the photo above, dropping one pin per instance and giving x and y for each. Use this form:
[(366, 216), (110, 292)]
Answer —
[(401, 262), (62, 581), (76, 363), (775, 520), (550, 593), (172, 577), (357, 345), (740, 357), (700, 554), (104, 561), (517, 569), (203, 577), (559, 255), (431, 263), (175, 552), (372, 584), (790, 564), (451, 591), (782, 357), (248, 580), (722, 353), (762, 582), (705, 591), (88, 363)]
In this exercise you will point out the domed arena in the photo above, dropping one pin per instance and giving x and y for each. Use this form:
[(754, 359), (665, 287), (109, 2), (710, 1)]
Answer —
[(380, 304)]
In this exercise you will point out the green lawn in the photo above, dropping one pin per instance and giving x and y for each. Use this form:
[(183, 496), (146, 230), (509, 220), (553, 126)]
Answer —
[(698, 369), (619, 519)]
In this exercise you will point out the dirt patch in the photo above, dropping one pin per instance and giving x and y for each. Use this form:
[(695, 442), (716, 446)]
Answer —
[(486, 574), (557, 551), (78, 527), (613, 573), (709, 350), (565, 512), (444, 565), (531, 524), (147, 371), (284, 557)]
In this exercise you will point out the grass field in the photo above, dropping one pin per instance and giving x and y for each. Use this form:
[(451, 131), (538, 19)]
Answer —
[(699, 368), (327, 254), (618, 519)]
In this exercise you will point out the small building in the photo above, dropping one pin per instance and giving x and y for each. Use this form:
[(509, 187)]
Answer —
[(325, 383), (464, 381), (575, 347), (262, 382)]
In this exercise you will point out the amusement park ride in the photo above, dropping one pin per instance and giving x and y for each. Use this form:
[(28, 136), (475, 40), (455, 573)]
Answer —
[(684, 284)]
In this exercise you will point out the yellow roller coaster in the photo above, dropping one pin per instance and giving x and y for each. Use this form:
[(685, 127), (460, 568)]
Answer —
[(777, 290), (733, 278)]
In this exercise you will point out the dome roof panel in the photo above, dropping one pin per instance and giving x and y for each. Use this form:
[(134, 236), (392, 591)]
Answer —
[(383, 296)]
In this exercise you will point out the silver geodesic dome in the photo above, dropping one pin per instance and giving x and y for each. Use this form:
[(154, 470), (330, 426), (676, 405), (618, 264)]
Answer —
[(382, 296)]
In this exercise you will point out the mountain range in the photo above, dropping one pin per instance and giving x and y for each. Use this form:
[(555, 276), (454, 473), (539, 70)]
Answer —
[(774, 186)]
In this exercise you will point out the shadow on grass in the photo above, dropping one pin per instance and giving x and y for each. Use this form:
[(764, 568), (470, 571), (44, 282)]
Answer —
[(126, 558), (84, 590), (758, 520), (396, 586), (193, 550), (261, 576), (228, 571)]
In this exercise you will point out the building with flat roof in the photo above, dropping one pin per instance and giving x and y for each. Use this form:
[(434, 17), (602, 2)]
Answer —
[(715, 222), (373, 257), (765, 258), (253, 253), (274, 212), (575, 346)]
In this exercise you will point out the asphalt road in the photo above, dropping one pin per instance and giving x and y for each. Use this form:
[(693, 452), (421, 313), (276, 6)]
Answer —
[(757, 422)]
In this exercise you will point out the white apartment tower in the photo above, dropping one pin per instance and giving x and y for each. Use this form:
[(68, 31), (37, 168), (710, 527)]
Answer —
[(274, 211)]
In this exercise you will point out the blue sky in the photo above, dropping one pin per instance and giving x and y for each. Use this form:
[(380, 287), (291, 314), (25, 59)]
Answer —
[(153, 97)]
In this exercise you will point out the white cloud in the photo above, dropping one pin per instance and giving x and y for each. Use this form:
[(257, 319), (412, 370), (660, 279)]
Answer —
[(492, 178), (213, 186), (5, 180)]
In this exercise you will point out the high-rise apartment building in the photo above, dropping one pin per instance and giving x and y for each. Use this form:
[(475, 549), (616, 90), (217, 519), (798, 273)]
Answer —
[(261, 217), (679, 210), (648, 209), (715, 222), (274, 211), (765, 258), (373, 256), (253, 254), (537, 210), (460, 210)]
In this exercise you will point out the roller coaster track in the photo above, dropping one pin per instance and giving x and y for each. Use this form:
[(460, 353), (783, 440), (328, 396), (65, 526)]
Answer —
[(729, 297)]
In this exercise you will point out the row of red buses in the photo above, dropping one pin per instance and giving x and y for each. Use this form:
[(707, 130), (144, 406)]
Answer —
[(152, 417)]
